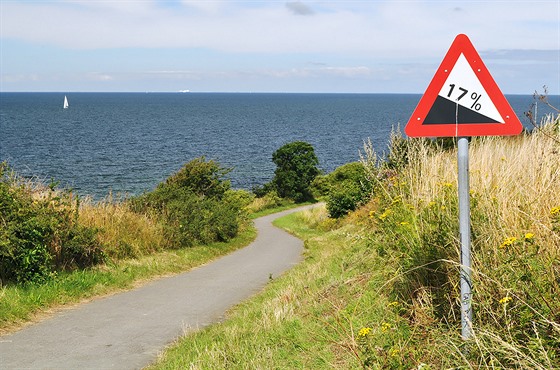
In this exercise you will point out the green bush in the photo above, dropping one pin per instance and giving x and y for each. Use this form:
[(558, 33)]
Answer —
[(347, 189), (196, 204), (201, 177), (343, 199), (39, 232), (264, 190)]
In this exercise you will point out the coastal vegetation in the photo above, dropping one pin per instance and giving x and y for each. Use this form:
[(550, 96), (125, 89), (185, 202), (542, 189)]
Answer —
[(39, 232), (57, 248), (195, 205), (46, 230), (379, 287)]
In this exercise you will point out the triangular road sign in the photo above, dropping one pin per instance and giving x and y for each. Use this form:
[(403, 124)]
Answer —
[(462, 99)]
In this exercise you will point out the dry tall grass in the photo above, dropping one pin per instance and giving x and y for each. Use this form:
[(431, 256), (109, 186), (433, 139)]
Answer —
[(515, 218), (516, 181), (122, 233)]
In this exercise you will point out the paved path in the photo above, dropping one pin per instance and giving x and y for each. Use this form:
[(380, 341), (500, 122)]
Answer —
[(128, 330)]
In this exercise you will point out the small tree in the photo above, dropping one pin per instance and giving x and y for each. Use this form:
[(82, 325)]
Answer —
[(296, 168)]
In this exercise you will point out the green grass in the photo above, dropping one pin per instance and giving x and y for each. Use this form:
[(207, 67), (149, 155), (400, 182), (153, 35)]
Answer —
[(310, 317)]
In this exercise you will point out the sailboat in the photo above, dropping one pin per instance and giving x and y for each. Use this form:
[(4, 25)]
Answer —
[(65, 102)]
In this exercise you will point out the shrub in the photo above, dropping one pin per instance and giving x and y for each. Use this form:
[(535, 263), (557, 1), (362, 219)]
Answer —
[(343, 199), (39, 231), (347, 189), (195, 205), (268, 200), (262, 191), (201, 177)]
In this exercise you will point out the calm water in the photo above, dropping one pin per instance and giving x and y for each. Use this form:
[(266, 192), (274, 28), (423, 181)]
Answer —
[(129, 142)]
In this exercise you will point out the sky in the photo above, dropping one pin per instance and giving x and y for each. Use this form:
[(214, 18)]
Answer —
[(344, 46)]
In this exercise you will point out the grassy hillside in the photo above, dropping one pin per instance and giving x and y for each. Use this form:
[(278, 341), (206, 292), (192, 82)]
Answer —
[(380, 287)]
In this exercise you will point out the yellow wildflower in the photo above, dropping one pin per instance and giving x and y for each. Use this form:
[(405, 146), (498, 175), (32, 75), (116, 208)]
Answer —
[(529, 236), (404, 223), (364, 332), (385, 214), (508, 242), (555, 211), (393, 304), (394, 352), (385, 326), (505, 300), (371, 214)]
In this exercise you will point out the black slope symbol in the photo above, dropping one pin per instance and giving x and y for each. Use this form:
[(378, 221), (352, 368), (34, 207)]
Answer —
[(446, 112)]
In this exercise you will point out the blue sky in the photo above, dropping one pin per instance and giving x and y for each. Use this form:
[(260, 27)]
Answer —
[(348, 46)]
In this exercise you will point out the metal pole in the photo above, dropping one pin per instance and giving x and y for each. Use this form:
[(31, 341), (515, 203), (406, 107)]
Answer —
[(465, 237)]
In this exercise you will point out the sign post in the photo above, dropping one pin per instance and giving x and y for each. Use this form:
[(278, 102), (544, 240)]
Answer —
[(465, 236), (461, 101)]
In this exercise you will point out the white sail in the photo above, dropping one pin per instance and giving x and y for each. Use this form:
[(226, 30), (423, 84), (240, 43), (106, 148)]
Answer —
[(65, 102)]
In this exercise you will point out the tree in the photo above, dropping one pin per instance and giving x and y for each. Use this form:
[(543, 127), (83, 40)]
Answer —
[(296, 168)]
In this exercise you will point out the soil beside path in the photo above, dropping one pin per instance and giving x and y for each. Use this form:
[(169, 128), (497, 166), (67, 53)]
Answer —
[(128, 330)]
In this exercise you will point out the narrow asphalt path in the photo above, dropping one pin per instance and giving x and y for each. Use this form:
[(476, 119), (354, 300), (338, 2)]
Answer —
[(128, 330)]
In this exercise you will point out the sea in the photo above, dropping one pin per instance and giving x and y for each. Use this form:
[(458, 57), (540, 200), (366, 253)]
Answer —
[(124, 144)]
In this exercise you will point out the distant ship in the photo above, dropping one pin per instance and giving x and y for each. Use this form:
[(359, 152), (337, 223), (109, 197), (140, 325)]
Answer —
[(184, 91), (65, 102)]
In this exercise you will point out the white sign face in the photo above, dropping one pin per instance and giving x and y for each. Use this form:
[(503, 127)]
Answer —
[(464, 88)]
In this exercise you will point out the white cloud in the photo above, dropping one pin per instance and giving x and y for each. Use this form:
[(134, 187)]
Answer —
[(386, 28), (98, 76), (347, 71), (211, 7), (240, 41), (175, 75), (19, 78)]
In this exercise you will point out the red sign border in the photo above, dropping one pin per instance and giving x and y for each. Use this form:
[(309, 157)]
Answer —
[(415, 126)]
